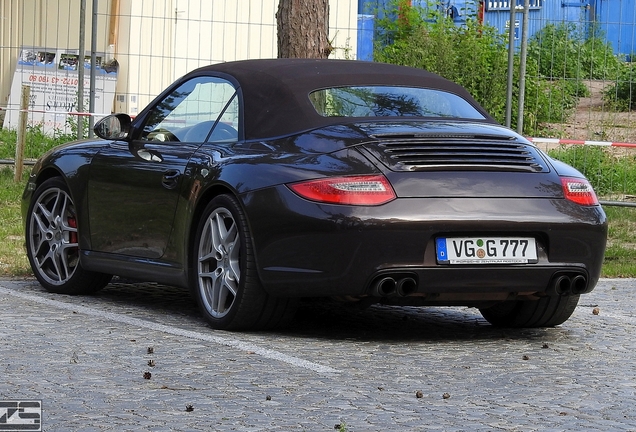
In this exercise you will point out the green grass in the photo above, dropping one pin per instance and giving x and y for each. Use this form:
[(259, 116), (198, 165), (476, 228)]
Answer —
[(37, 143), (13, 260), (620, 255)]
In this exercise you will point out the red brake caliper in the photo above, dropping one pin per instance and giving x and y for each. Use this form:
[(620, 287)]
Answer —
[(72, 236)]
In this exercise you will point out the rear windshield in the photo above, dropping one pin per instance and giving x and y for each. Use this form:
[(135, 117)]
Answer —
[(387, 101)]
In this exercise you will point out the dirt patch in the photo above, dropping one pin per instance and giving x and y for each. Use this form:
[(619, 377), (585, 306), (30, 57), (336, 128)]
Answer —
[(594, 120)]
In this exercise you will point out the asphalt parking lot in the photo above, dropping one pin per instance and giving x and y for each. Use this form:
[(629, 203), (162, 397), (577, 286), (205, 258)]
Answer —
[(138, 357)]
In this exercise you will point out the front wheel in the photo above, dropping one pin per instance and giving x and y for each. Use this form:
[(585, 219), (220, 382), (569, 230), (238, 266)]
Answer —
[(52, 242), (227, 287), (545, 312)]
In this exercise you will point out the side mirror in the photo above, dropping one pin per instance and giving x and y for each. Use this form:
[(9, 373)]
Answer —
[(114, 126)]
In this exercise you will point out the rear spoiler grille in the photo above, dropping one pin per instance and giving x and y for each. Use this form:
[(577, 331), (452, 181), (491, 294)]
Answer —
[(453, 152)]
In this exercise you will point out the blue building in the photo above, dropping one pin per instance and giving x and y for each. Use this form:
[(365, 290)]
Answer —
[(615, 18)]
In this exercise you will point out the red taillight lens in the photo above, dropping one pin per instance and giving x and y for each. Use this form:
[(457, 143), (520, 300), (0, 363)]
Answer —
[(354, 190), (579, 191)]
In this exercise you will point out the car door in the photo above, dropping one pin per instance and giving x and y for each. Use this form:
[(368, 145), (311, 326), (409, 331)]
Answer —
[(135, 185)]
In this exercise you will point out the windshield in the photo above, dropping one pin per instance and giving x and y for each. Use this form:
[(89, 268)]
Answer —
[(386, 101)]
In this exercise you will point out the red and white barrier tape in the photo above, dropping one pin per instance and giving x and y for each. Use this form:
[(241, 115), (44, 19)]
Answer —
[(82, 114), (581, 142)]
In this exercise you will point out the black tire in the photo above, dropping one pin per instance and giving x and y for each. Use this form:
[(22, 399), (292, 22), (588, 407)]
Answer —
[(226, 284), (545, 312), (52, 242)]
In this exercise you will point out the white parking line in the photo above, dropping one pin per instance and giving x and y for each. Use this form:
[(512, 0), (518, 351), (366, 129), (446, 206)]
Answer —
[(229, 342)]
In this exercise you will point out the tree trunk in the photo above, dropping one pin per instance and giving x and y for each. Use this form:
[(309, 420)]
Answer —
[(303, 29)]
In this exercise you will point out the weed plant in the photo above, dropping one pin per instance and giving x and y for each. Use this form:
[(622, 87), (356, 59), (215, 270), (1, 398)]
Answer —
[(36, 141), (620, 255), (622, 94)]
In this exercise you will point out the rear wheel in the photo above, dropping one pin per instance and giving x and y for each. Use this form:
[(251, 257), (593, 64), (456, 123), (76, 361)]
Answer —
[(52, 242), (545, 312), (227, 287)]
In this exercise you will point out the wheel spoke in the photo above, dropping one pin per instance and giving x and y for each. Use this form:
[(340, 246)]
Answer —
[(49, 266), (221, 296), (45, 212), (58, 205), (67, 244), (235, 270), (207, 257), (231, 236), (213, 291), (218, 232), (40, 224), (40, 263), (65, 265), (60, 267), (43, 230)]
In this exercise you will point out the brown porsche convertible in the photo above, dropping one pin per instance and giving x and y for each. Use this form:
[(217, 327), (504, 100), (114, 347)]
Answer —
[(261, 182)]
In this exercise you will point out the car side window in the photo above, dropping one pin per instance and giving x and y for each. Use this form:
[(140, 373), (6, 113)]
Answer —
[(201, 109)]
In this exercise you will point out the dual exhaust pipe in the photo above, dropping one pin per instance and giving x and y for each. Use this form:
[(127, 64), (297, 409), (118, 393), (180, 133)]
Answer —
[(405, 285), (564, 284), (402, 286)]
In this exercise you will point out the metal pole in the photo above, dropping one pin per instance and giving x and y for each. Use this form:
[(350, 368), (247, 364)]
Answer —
[(511, 61), (522, 66), (91, 102), (80, 70)]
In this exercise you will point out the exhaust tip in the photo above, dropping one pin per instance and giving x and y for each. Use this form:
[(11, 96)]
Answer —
[(579, 284), (385, 286), (406, 286), (562, 285)]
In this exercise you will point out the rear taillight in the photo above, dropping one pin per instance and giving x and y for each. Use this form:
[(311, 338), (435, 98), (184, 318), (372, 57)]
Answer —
[(354, 190), (579, 191)]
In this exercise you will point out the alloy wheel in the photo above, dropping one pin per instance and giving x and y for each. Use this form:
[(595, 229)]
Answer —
[(219, 272), (53, 236)]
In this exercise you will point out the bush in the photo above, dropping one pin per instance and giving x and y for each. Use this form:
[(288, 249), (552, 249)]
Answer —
[(622, 94), (567, 56), (474, 56), (546, 101), (564, 52)]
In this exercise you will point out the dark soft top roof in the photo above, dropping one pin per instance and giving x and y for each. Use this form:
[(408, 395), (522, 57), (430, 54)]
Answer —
[(275, 91)]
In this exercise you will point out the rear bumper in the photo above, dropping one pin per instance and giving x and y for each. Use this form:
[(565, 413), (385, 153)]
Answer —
[(309, 249)]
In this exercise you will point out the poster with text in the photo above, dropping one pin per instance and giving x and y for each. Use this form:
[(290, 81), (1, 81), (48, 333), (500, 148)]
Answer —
[(53, 77)]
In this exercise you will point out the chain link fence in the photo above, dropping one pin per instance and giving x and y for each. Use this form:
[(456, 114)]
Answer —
[(122, 53)]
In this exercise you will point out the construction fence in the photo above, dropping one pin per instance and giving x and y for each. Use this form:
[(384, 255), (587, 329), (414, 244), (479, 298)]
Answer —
[(103, 56)]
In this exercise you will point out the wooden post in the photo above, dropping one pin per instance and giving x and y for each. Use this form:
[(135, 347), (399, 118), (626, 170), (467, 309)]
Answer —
[(22, 125)]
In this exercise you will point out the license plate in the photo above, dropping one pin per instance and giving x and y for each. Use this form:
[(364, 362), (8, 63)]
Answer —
[(486, 250)]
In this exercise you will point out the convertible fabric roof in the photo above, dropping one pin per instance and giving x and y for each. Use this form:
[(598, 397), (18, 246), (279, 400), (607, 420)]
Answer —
[(276, 91)]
